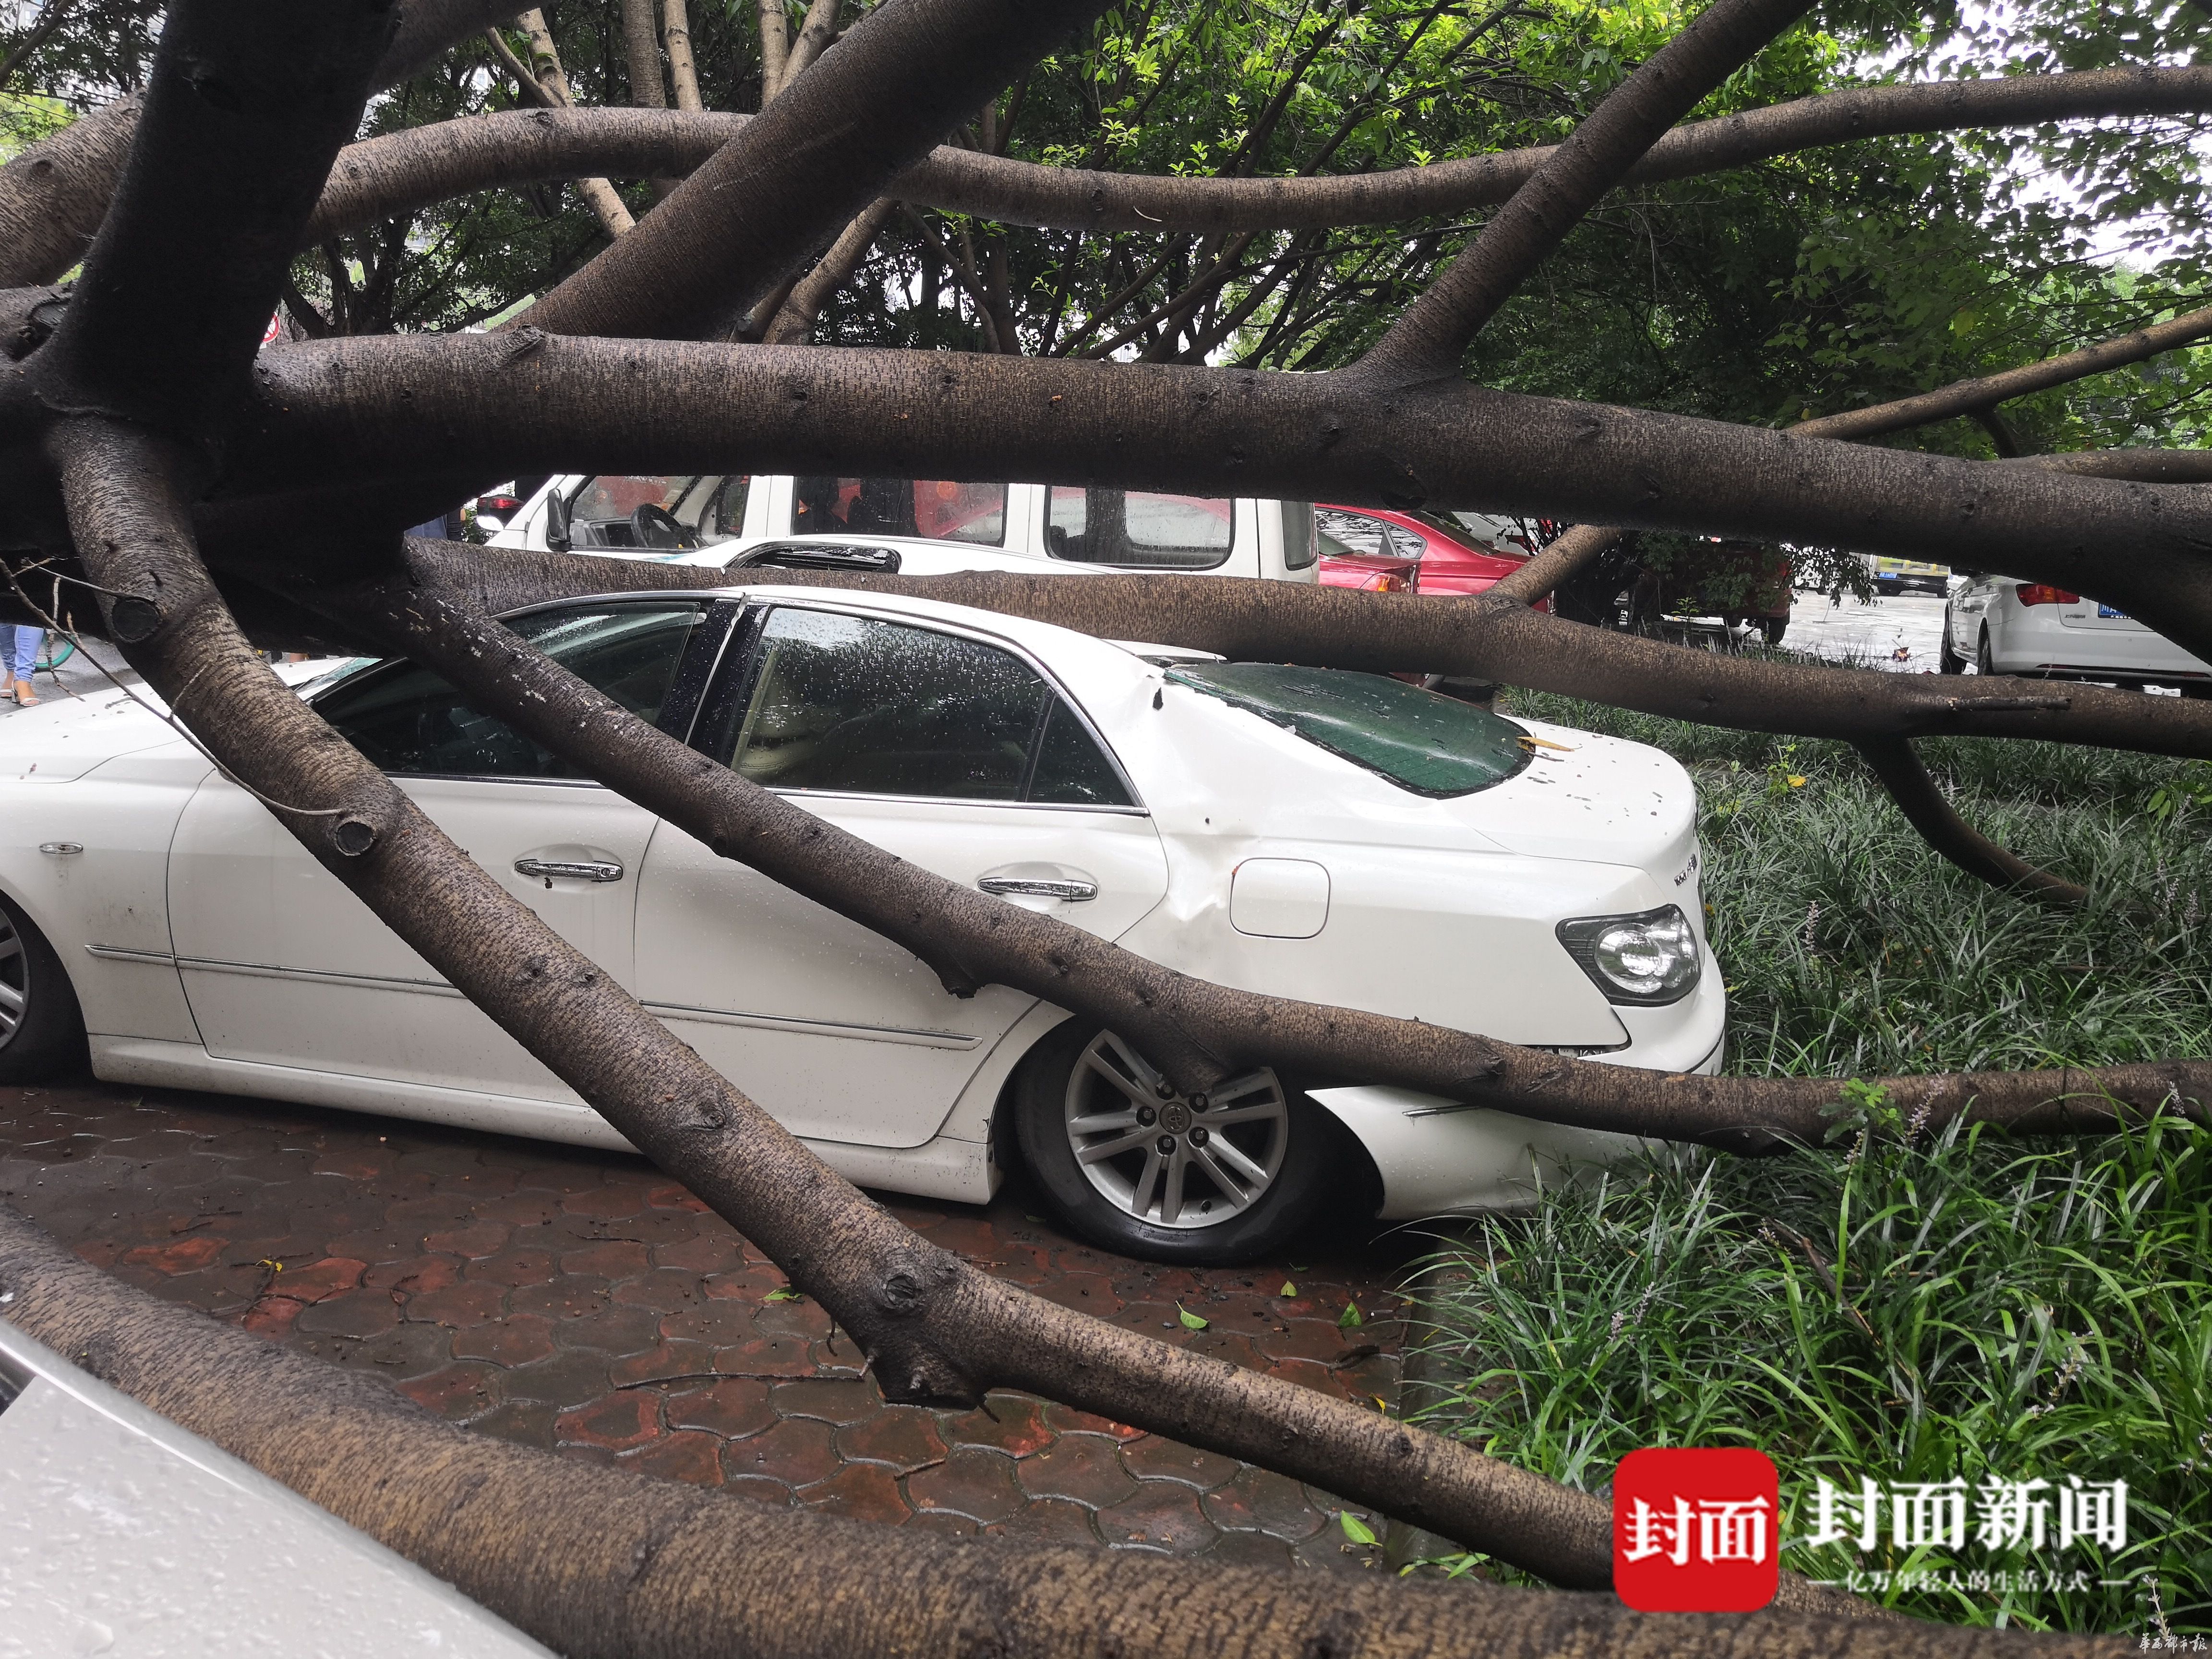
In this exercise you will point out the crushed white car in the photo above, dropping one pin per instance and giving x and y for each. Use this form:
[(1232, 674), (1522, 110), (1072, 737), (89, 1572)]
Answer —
[(1342, 838)]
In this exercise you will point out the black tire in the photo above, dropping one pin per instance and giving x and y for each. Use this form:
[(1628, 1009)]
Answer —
[(1985, 660), (1274, 1212), (2196, 689), (1773, 627), (44, 1032), (1948, 660)]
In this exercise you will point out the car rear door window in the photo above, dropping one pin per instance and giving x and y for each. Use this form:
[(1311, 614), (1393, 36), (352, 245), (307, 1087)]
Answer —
[(1139, 530), (408, 720), (938, 510), (856, 705)]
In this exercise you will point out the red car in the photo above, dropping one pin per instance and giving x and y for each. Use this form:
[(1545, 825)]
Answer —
[(1445, 557)]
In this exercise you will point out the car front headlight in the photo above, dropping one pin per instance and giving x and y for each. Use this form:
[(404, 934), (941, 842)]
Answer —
[(1649, 959)]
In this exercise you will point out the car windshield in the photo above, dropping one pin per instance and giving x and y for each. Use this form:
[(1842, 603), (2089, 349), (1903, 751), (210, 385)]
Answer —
[(1422, 742)]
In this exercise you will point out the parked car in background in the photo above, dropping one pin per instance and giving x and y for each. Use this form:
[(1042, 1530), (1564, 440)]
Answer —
[(2003, 625), (1340, 838), (1910, 576), (1447, 555), (1374, 571), (122, 1534), (921, 526)]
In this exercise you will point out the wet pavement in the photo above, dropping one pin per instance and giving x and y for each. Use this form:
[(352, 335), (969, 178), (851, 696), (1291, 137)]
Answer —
[(1903, 632), (583, 1301)]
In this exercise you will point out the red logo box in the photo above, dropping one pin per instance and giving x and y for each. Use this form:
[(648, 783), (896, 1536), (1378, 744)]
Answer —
[(1696, 1529)]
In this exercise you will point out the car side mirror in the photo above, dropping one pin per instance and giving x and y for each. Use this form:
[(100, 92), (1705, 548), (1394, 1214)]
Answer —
[(556, 523)]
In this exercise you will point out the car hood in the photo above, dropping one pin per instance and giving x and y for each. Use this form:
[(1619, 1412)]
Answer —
[(65, 737)]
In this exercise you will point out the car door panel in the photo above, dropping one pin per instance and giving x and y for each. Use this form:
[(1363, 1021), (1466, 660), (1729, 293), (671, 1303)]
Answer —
[(839, 1034), (282, 964), (945, 750)]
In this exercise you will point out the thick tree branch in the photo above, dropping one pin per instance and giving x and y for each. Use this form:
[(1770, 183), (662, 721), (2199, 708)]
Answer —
[(1916, 796), (246, 106), (53, 196), (815, 36), (794, 318), (775, 48), (1561, 562), (1432, 334), (548, 82), (731, 232), (1967, 397), (420, 166), (682, 68), (642, 55), (542, 403), (602, 1563)]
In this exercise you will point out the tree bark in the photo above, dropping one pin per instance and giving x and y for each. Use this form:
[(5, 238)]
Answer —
[(551, 82), (641, 52), (418, 167), (794, 318), (542, 403), (682, 68)]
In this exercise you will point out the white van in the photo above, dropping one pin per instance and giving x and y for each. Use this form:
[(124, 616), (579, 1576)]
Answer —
[(921, 526)]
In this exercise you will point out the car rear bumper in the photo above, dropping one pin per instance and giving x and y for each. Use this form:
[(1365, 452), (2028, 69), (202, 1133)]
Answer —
[(1438, 1156), (2027, 643)]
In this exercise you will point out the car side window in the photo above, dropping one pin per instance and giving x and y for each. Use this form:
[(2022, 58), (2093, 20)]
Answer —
[(409, 722), (602, 512), (1139, 530), (1356, 531), (938, 510), (723, 519), (857, 706)]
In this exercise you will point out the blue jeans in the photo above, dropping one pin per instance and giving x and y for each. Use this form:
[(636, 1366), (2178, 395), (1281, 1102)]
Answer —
[(27, 642)]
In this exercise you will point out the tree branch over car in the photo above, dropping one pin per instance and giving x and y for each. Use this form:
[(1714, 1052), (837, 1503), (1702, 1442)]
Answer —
[(165, 471)]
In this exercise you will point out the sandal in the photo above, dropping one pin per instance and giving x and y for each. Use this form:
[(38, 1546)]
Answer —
[(25, 697)]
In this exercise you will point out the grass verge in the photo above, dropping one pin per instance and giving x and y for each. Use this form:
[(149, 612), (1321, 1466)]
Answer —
[(1973, 1310)]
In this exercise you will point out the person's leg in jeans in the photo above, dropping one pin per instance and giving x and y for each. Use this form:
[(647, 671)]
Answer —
[(27, 642)]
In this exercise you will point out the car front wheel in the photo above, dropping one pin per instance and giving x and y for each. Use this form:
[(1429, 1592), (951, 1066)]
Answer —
[(1135, 1166), (41, 1032)]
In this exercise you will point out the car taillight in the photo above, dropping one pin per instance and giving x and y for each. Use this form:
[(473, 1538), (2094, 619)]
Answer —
[(2042, 594), (1392, 584), (496, 503)]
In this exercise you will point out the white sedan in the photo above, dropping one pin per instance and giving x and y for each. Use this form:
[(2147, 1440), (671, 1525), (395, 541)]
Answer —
[(1342, 838), (2003, 625)]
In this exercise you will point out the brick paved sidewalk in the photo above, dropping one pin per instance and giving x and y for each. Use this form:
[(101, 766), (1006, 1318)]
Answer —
[(582, 1300)]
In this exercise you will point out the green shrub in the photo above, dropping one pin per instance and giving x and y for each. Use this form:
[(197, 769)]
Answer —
[(1976, 1307)]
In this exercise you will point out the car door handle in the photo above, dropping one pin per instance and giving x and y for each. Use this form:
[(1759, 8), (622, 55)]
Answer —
[(1072, 889), (570, 869)]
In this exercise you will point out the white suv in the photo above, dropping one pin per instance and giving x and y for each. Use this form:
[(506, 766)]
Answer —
[(921, 526), (2006, 626)]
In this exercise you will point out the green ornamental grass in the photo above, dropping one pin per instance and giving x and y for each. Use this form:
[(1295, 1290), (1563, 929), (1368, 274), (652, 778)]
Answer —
[(1907, 1309)]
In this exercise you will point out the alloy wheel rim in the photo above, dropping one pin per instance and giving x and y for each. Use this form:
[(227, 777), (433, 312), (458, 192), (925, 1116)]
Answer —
[(15, 980), (1169, 1159)]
